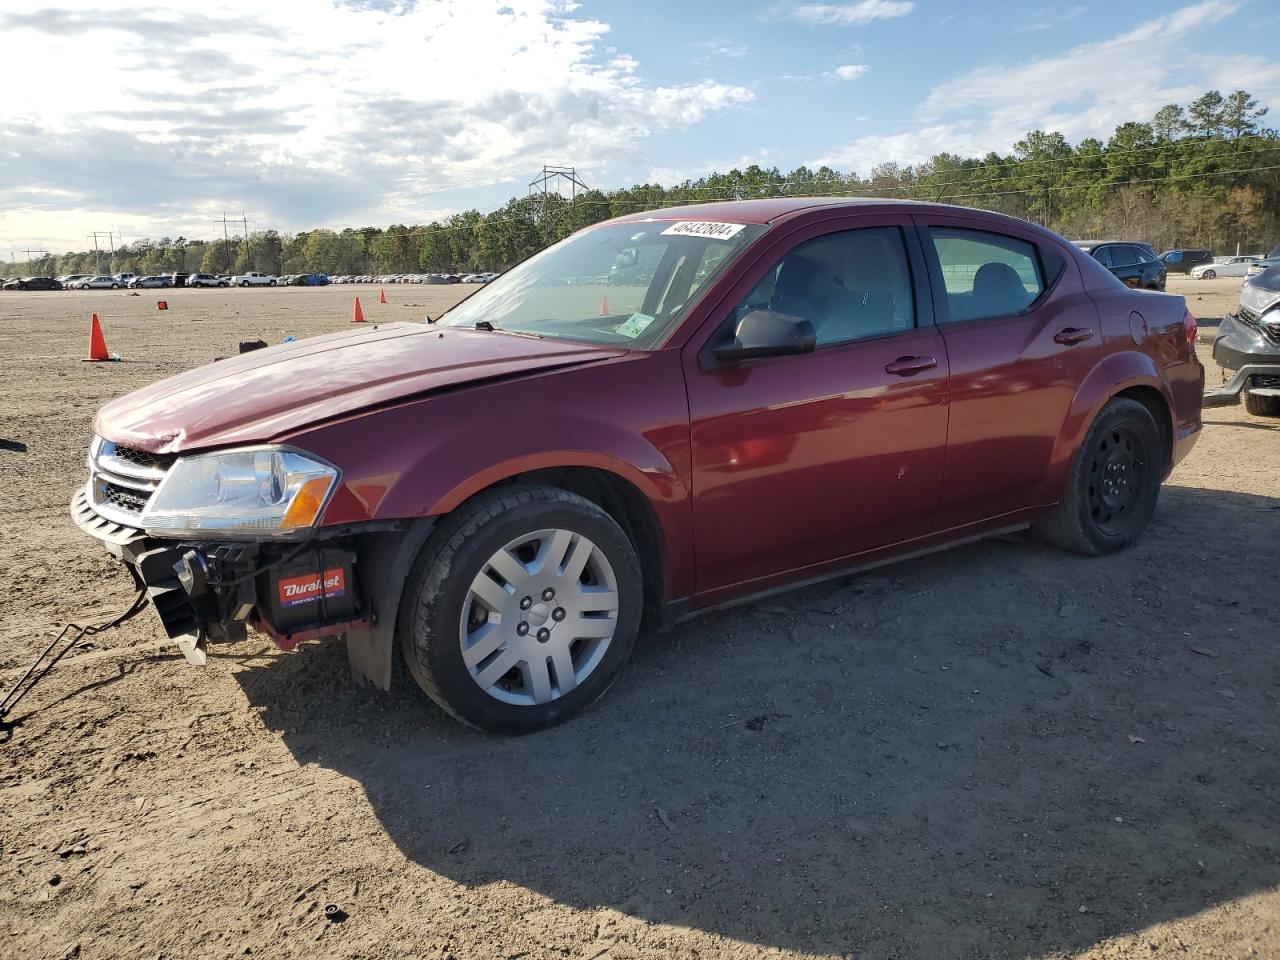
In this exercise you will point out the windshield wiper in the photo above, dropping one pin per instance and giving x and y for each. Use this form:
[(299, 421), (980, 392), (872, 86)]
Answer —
[(485, 325)]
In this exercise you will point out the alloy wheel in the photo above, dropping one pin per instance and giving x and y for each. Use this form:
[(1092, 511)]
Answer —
[(539, 617)]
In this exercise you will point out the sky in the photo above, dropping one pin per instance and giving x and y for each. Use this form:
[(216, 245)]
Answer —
[(155, 120)]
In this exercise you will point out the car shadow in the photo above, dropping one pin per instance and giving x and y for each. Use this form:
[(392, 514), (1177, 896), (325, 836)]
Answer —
[(999, 750)]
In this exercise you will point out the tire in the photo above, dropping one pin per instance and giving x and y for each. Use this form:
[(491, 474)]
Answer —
[(503, 691), (1209, 275), (224, 284), (1113, 484), (271, 283), (1260, 405)]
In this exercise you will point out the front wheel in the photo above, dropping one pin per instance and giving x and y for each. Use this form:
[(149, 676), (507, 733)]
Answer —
[(522, 609), (1261, 405), (1210, 275), (271, 283), (1113, 484)]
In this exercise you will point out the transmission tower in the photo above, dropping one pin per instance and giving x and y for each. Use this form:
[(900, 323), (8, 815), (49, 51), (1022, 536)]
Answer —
[(43, 253), (540, 187), (97, 253)]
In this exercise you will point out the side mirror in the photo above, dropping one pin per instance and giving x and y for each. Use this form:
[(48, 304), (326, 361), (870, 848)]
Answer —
[(764, 333)]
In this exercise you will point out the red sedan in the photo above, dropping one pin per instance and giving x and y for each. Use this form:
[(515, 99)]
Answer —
[(660, 414)]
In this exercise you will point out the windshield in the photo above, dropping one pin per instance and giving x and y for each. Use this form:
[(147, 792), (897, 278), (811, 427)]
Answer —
[(624, 284)]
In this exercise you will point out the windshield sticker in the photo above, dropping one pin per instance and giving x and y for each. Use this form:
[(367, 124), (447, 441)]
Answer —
[(704, 228), (634, 325)]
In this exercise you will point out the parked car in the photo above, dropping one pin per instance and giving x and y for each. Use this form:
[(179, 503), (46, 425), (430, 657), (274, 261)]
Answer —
[(1272, 259), (152, 282), (96, 283), (71, 280), (786, 417), (179, 279), (124, 278), (1227, 267), (207, 280), (1133, 262), (1184, 261), (32, 283), (253, 279), (305, 280), (1248, 344)]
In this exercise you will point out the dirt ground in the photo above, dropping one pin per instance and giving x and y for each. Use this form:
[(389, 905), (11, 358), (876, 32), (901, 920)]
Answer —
[(1000, 751)]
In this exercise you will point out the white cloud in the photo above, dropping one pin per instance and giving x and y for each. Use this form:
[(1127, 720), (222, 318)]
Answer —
[(1085, 91), (848, 14), (849, 71), (722, 48), (304, 113), (1050, 17)]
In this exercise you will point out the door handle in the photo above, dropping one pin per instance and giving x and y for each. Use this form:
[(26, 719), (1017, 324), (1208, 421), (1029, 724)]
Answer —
[(1072, 335), (910, 366)]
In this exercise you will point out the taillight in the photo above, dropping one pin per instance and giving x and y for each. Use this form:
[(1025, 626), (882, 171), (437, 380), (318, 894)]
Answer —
[(1189, 322)]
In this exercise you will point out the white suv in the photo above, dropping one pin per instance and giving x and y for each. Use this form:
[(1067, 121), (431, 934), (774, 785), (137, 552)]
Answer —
[(253, 280)]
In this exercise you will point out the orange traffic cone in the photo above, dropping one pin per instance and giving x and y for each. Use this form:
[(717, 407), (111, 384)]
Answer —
[(382, 295), (359, 314), (97, 343), (162, 304), (604, 306)]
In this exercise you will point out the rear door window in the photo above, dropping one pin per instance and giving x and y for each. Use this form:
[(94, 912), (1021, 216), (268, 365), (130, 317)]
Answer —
[(1122, 255), (986, 275)]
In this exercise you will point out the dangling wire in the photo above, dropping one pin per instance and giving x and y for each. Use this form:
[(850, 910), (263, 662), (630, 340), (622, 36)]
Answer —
[(71, 634)]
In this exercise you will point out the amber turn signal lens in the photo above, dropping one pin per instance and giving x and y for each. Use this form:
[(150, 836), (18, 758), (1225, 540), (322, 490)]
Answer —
[(305, 509)]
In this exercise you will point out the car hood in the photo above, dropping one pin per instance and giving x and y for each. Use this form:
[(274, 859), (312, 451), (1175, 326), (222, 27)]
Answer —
[(257, 396), (1269, 278)]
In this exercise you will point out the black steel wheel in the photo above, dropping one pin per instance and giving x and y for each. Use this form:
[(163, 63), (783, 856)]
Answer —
[(1113, 484)]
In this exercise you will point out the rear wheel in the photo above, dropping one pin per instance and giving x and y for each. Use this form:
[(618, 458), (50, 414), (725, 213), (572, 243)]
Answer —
[(1261, 405), (1113, 484), (522, 609)]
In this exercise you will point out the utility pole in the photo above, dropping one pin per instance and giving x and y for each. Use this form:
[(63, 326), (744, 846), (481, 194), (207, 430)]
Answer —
[(540, 186), (43, 253), (226, 238), (247, 249), (97, 253)]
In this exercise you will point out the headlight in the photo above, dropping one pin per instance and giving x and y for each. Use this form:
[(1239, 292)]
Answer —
[(262, 491), (1258, 299)]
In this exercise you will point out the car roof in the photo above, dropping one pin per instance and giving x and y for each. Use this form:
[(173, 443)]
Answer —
[(771, 208)]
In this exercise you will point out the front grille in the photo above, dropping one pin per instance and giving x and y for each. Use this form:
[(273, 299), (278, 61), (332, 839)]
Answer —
[(123, 479), (1270, 331), (122, 498), (143, 458), (1265, 382)]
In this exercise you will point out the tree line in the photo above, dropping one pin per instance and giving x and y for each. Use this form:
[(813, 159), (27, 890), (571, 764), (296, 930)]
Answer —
[(1206, 175)]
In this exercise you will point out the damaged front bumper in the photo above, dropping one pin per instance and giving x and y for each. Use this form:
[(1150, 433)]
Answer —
[(1250, 349), (206, 591)]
